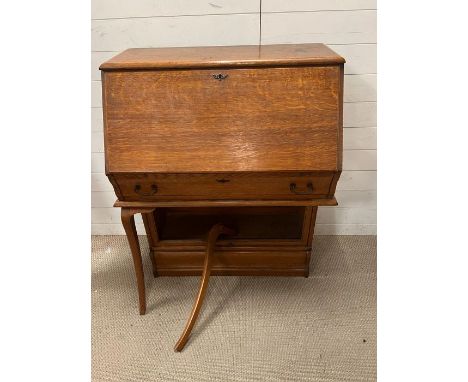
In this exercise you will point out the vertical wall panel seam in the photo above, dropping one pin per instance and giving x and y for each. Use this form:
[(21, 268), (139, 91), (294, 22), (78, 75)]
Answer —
[(260, 26)]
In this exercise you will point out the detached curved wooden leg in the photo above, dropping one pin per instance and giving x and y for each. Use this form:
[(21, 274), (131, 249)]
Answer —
[(213, 235), (128, 221)]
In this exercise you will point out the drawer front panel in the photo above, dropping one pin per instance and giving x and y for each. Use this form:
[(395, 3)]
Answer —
[(268, 119), (147, 187)]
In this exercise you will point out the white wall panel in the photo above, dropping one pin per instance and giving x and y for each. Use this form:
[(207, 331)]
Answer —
[(105, 9), (357, 181), (358, 199), (347, 26), (328, 27), (96, 94), (359, 88), (97, 162), (96, 118), (340, 215), (316, 5), (359, 160), (99, 182), (121, 34), (97, 58), (363, 138), (103, 199), (360, 114), (360, 58), (97, 142)]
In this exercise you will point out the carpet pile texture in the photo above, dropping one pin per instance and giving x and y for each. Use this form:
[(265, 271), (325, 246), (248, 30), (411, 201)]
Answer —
[(321, 328)]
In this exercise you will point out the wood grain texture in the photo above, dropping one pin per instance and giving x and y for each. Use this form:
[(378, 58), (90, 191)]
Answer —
[(349, 180), (238, 263), (320, 229), (355, 114), (255, 226), (348, 198), (185, 121), (223, 56), (218, 186), (327, 215), (360, 58), (228, 203), (213, 235), (206, 26), (128, 222), (358, 88), (358, 138)]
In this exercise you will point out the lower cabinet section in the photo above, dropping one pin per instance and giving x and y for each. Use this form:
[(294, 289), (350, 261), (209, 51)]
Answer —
[(269, 240)]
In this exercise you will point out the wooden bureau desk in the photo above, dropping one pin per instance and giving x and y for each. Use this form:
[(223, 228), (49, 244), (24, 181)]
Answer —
[(243, 142)]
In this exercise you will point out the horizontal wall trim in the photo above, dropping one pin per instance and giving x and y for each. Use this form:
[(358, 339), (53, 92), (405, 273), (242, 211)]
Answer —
[(188, 46), (231, 14), (181, 15)]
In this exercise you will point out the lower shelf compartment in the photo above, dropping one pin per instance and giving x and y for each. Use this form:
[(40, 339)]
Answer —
[(252, 223), (269, 241)]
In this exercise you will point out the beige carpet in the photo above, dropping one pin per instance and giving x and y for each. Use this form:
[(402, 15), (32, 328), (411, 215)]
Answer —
[(251, 328)]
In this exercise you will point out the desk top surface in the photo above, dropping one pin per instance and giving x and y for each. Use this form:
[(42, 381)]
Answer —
[(223, 56)]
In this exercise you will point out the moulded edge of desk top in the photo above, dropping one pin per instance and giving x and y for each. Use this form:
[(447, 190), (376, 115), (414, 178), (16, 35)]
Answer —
[(223, 56)]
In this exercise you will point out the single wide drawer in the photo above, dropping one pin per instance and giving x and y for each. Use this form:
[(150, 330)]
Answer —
[(275, 186)]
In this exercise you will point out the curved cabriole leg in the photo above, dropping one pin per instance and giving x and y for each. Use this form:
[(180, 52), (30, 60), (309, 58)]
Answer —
[(152, 235), (213, 235), (128, 221)]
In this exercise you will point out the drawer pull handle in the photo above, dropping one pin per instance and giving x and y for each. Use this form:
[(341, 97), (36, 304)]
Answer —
[(310, 189), (220, 76), (154, 189)]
